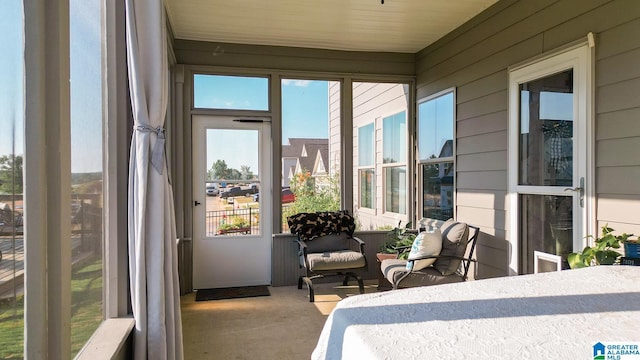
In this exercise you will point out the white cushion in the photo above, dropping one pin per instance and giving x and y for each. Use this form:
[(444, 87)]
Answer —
[(425, 244)]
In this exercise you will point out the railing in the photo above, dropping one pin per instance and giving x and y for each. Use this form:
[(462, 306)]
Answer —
[(236, 221)]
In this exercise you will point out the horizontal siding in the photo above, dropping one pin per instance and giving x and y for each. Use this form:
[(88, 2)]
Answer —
[(618, 124), (618, 68), (618, 152), (483, 105), (484, 218), (487, 161), (482, 180), (620, 39), (618, 180), (483, 124), (622, 210), (496, 199), (481, 87), (619, 96), (482, 143)]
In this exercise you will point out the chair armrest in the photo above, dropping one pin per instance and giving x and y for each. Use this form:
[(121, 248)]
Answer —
[(443, 257), (301, 243), (360, 243)]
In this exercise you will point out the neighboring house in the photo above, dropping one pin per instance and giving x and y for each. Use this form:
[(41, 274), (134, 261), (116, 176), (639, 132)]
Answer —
[(302, 155)]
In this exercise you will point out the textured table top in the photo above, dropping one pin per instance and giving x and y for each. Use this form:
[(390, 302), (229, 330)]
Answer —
[(558, 315)]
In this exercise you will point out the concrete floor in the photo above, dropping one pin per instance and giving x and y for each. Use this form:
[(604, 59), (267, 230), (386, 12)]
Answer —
[(282, 326)]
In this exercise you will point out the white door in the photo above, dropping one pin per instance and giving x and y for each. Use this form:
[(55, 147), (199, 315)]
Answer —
[(231, 194), (549, 110)]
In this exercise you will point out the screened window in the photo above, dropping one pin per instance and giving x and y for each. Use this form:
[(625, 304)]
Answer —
[(230, 92), (436, 155), (12, 238), (310, 146), (86, 170)]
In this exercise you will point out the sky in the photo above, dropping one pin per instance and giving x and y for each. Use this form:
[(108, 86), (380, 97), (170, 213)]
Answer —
[(86, 108)]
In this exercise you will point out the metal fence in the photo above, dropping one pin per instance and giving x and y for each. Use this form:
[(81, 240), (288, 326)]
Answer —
[(236, 222)]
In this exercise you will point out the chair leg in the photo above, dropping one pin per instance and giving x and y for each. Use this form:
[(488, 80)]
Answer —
[(360, 284), (300, 282), (357, 277), (345, 281), (309, 283)]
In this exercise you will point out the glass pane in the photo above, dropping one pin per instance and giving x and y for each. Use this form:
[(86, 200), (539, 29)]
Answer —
[(437, 190), (230, 92), (12, 239), (86, 171), (366, 145), (545, 225), (394, 143), (435, 127), (546, 131), (396, 189), (232, 184), (367, 188), (311, 146)]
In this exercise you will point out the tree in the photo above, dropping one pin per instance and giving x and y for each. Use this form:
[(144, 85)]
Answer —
[(11, 174), (220, 170), (246, 172), (311, 196)]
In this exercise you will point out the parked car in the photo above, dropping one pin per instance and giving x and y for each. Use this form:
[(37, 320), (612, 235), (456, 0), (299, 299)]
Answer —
[(287, 196), (237, 191), (212, 190)]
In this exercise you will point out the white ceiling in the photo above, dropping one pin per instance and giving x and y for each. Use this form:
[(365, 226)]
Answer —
[(405, 26)]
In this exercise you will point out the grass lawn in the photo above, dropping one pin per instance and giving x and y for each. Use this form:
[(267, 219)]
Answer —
[(86, 313)]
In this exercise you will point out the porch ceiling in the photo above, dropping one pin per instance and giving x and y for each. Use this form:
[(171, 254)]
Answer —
[(404, 26)]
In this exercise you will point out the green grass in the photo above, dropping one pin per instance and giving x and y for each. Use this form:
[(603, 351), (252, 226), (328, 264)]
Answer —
[(86, 313)]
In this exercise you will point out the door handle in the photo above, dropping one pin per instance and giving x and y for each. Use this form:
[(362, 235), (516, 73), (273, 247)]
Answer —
[(196, 203), (573, 189), (579, 190)]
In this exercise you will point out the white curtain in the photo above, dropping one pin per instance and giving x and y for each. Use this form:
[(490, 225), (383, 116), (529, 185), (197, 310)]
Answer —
[(152, 232)]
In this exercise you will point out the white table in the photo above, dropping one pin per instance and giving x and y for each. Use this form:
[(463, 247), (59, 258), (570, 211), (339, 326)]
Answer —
[(557, 315)]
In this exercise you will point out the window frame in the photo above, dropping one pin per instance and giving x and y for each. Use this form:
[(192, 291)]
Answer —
[(399, 164), (443, 160), (369, 167)]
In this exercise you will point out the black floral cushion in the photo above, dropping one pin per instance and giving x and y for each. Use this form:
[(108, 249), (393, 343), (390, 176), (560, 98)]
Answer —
[(311, 225)]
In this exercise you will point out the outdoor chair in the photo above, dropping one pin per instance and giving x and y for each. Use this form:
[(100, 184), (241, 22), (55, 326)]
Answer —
[(450, 266), (326, 247)]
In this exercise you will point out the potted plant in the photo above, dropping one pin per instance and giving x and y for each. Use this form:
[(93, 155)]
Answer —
[(234, 224), (602, 253), (399, 238)]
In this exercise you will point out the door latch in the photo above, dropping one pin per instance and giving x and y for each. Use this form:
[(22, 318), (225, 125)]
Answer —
[(196, 203), (579, 190)]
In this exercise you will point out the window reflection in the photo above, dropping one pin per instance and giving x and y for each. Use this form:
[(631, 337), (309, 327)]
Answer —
[(436, 151)]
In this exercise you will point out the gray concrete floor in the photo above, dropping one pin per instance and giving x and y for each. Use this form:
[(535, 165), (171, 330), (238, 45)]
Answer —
[(282, 326)]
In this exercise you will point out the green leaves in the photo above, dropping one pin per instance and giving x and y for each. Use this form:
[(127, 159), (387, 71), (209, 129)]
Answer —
[(602, 252)]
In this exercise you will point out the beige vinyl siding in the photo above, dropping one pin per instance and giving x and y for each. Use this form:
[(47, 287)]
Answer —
[(334, 127), (618, 121), (475, 59)]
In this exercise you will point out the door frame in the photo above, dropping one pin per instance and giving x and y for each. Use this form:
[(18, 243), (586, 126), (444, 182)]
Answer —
[(580, 58), (251, 256)]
